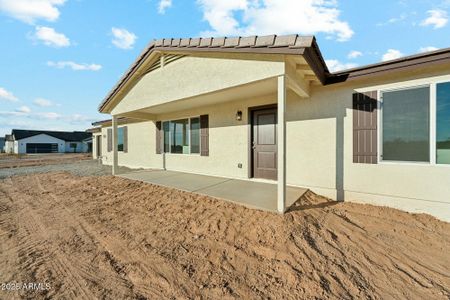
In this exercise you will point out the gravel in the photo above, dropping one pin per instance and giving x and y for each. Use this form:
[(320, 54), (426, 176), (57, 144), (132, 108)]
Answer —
[(80, 168)]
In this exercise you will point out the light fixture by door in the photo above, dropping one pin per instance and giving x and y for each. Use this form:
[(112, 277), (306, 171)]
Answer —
[(239, 115)]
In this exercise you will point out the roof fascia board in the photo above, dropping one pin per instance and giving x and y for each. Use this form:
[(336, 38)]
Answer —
[(406, 63), (129, 80)]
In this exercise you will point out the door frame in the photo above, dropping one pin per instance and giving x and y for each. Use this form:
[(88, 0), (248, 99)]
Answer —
[(250, 111)]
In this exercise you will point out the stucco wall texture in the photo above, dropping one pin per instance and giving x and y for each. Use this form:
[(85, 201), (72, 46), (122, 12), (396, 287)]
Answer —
[(319, 148)]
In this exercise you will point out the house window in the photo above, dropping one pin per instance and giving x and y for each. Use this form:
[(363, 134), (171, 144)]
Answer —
[(195, 135), (166, 131), (443, 123), (182, 136), (120, 139), (406, 125), (179, 139)]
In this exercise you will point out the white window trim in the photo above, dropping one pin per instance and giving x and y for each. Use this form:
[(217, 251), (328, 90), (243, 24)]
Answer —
[(432, 83), (188, 133)]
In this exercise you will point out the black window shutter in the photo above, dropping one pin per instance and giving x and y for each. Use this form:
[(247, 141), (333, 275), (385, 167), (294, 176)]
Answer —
[(158, 137), (365, 127), (109, 139), (204, 135)]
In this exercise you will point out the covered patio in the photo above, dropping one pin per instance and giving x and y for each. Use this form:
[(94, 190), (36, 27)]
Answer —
[(223, 89), (252, 194)]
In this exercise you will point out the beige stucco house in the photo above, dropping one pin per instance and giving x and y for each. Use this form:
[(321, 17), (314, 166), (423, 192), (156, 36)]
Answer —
[(267, 108)]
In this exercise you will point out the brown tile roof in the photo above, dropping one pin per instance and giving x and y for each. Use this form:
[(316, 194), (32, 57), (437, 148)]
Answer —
[(271, 44), (269, 41)]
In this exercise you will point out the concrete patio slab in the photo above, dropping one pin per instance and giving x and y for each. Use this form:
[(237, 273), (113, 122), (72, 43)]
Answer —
[(245, 192), (188, 182), (145, 175)]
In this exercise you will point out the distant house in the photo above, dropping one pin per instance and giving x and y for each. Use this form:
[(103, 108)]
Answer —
[(40, 141), (2, 144), (9, 144)]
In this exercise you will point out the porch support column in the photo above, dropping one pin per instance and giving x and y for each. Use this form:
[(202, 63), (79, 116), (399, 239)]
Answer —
[(281, 134), (115, 166)]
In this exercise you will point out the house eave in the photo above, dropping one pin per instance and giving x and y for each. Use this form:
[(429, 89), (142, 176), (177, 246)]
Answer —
[(281, 45)]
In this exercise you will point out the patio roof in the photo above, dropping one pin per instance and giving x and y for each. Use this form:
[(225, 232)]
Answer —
[(271, 44)]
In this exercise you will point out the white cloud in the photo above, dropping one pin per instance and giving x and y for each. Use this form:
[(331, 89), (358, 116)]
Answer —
[(78, 118), (7, 95), (31, 10), (42, 102), (354, 54), (123, 39), (163, 5), (11, 113), (437, 18), (428, 49), (391, 54), (74, 66), (400, 18), (48, 115), (23, 109), (335, 65), (274, 16), (50, 37)]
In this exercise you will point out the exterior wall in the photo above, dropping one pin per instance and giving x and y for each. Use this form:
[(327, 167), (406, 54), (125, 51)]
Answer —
[(141, 147), (319, 149), (407, 186), (21, 145), (223, 129), (197, 76), (9, 147), (94, 144)]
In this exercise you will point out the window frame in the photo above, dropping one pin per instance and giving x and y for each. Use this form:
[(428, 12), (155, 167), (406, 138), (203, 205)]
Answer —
[(380, 124), (430, 82), (435, 122), (123, 139), (188, 134)]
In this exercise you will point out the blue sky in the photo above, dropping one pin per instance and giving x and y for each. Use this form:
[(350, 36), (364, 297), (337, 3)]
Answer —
[(59, 58)]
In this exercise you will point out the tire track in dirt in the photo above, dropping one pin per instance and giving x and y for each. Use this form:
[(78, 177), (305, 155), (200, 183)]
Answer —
[(122, 260), (120, 280), (36, 249), (127, 240)]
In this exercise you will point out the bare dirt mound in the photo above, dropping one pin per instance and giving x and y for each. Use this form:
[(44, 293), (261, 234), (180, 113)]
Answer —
[(106, 237)]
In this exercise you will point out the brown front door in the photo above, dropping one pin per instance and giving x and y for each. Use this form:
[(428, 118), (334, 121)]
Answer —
[(99, 145), (264, 143)]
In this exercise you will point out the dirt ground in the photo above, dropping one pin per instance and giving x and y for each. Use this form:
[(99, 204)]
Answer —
[(26, 160), (106, 237)]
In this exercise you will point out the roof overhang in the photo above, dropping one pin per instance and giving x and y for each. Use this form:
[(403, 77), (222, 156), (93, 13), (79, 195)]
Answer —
[(108, 122), (305, 46), (293, 45), (405, 63)]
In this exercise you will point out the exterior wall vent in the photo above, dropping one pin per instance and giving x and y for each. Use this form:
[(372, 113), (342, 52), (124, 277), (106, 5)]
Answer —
[(168, 58)]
